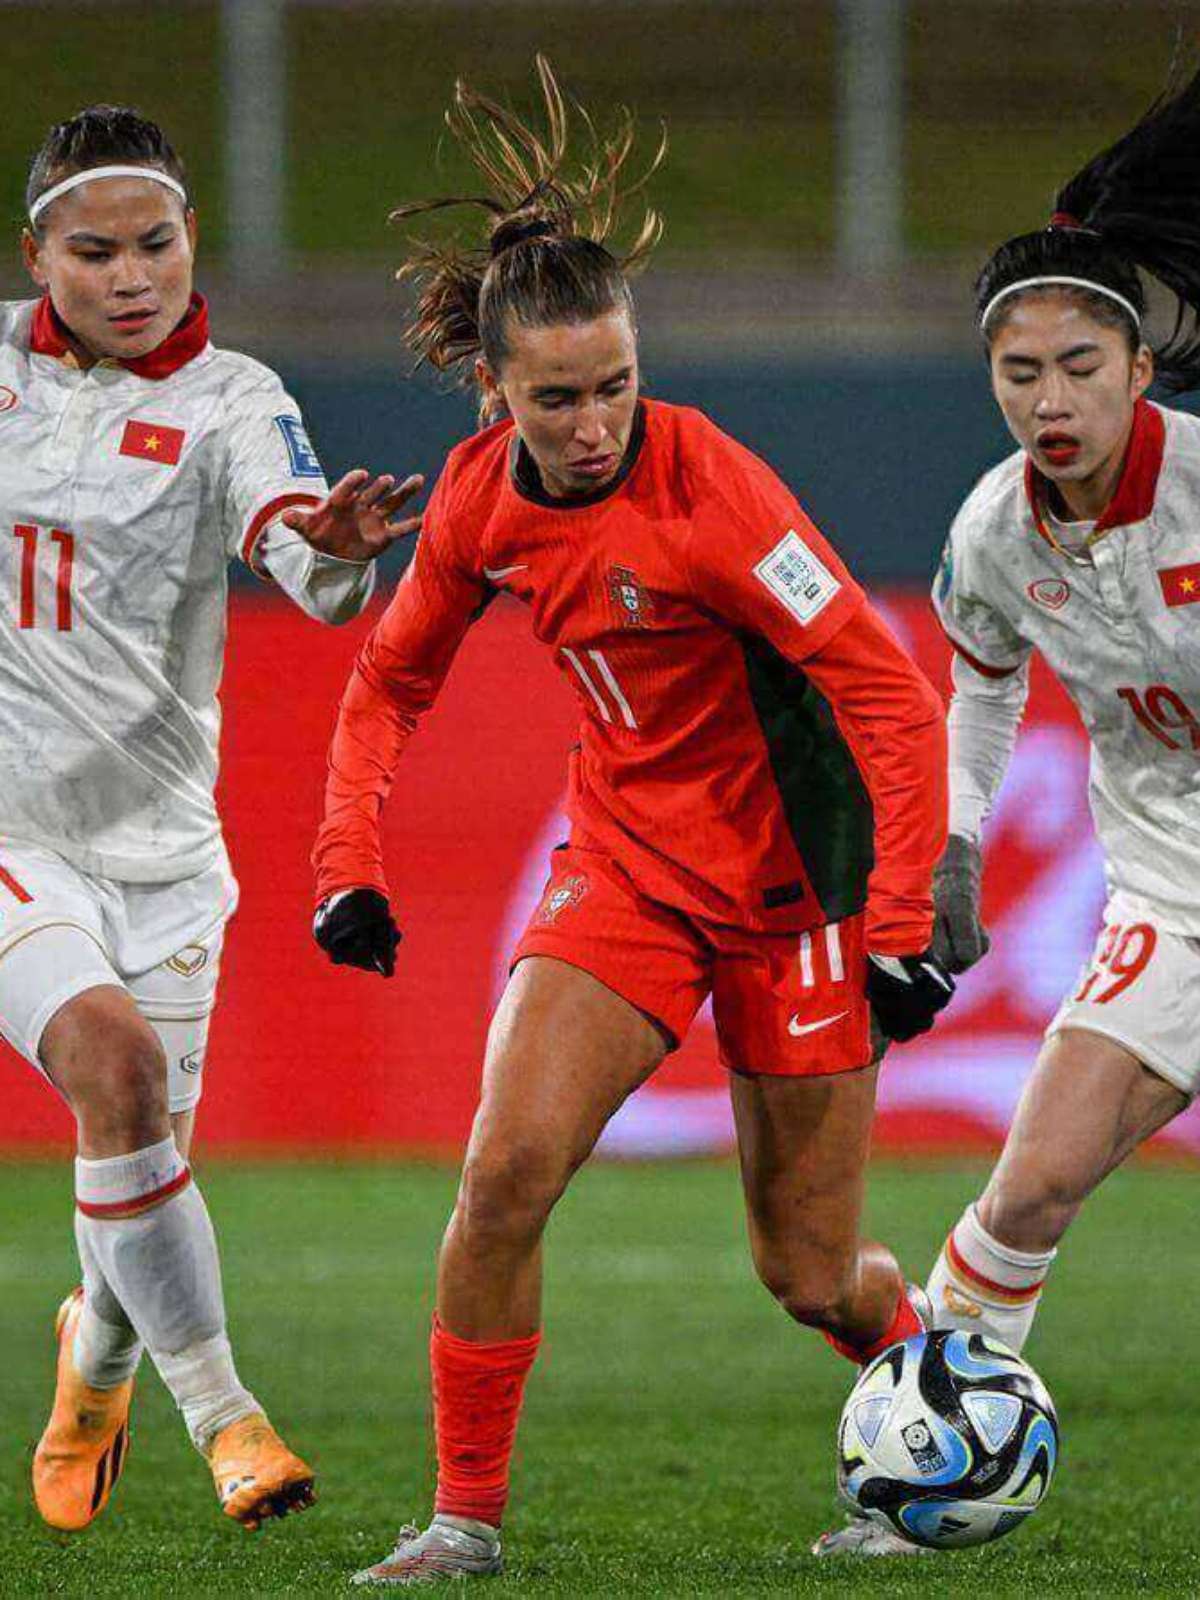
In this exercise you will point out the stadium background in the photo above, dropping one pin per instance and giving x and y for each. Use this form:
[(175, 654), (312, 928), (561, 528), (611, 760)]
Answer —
[(819, 310), (838, 170)]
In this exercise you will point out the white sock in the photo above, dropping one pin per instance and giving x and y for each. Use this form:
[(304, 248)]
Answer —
[(982, 1286), (106, 1349), (146, 1224)]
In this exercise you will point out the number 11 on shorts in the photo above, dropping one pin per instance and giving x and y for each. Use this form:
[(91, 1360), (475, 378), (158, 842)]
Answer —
[(29, 537)]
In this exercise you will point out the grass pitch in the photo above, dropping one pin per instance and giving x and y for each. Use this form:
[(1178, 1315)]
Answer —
[(678, 1436)]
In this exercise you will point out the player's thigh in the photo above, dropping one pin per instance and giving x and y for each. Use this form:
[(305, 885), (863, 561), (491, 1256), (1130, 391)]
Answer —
[(1121, 1057), (52, 943), (101, 1053), (802, 1148), (1141, 990), (564, 1052), (605, 982), (1086, 1105)]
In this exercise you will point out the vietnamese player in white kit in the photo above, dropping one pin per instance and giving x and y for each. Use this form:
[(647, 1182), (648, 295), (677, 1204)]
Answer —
[(136, 460), (1085, 546)]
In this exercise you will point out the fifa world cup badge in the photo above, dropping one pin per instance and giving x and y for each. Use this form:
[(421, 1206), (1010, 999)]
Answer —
[(567, 893), (631, 600)]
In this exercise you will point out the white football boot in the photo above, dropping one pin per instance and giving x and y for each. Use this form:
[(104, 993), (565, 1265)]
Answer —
[(450, 1547), (860, 1536)]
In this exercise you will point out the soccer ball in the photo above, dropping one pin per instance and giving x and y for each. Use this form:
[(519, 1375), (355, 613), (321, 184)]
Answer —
[(948, 1439)]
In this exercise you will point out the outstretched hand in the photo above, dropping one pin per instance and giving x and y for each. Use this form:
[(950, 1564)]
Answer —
[(354, 522)]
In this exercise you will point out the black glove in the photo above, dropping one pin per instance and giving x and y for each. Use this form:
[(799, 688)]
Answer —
[(907, 992), (959, 938), (355, 929)]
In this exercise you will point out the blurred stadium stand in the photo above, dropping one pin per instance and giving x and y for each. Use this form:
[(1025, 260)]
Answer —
[(857, 376), (862, 387)]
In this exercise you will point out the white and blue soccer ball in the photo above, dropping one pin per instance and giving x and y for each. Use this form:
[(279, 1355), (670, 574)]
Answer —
[(949, 1439)]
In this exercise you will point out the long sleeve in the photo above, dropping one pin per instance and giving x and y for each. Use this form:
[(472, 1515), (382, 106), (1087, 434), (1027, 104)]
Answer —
[(985, 713), (396, 678), (892, 719), (759, 563), (990, 670), (325, 587), (271, 467)]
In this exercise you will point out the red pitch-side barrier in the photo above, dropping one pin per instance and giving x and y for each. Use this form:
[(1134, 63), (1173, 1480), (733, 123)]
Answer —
[(304, 1056)]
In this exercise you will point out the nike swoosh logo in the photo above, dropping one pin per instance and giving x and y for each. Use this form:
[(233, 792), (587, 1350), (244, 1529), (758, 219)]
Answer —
[(494, 574), (796, 1028)]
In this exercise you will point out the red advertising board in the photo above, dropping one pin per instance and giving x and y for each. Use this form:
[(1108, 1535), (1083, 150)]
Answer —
[(307, 1056)]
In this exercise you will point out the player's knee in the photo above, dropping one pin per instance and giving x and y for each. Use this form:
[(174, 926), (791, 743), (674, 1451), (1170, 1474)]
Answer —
[(811, 1288), (117, 1082), (509, 1190), (130, 1098)]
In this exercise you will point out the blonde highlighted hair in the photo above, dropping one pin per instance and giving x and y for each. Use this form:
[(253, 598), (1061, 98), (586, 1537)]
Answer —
[(546, 259)]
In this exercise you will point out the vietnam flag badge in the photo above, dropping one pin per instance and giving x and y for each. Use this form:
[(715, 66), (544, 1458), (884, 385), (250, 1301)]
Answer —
[(151, 441), (1180, 585)]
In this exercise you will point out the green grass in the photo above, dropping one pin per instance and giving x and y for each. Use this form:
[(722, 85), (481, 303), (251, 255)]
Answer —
[(678, 1434)]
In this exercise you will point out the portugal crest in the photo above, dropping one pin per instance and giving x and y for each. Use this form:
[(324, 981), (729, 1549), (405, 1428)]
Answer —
[(561, 895), (630, 599)]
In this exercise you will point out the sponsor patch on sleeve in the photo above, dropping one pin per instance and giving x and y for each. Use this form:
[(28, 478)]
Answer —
[(797, 578), (299, 447)]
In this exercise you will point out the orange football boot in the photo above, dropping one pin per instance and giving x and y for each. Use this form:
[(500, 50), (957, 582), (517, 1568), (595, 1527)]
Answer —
[(255, 1473), (80, 1455)]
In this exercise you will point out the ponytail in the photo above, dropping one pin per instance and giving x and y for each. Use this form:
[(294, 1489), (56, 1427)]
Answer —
[(1135, 207), (545, 260)]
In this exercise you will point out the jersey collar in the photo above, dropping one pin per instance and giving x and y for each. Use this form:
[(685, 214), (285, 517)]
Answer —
[(1133, 500), (49, 336)]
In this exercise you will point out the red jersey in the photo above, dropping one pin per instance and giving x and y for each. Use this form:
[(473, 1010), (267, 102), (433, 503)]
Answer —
[(754, 747)]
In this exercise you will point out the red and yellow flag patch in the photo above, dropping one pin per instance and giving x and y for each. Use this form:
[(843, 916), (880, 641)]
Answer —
[(1180, 585), (151, 441)]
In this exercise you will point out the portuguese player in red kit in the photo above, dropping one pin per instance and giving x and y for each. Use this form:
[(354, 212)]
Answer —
[(757, 802)]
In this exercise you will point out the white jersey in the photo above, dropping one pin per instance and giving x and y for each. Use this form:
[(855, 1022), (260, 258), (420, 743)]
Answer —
[(124, 492), (1119, 626)]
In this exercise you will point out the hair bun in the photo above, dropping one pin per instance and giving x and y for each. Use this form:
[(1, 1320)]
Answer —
[(517, 230)]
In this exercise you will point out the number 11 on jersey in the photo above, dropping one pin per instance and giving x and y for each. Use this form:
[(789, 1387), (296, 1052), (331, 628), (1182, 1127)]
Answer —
[(29, 537)]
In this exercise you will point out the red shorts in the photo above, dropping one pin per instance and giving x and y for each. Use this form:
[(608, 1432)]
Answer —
[(788, 1004)]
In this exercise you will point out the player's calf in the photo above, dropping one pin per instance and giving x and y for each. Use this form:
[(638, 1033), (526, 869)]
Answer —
[(980, 1285)]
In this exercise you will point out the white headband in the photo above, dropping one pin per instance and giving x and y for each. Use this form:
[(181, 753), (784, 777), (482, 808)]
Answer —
[(1071, 283), (155, 174)]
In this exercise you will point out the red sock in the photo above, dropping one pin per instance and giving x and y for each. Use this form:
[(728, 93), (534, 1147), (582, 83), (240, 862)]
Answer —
[(903, 1325), (478, 1386)]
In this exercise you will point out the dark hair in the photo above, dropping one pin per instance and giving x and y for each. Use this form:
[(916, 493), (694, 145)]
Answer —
[(98, 137), (545, 261), (1134, 206)]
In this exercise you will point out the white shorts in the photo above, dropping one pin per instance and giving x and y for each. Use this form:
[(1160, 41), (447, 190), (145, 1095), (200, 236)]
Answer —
[(63, 931), (1141, 988)]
